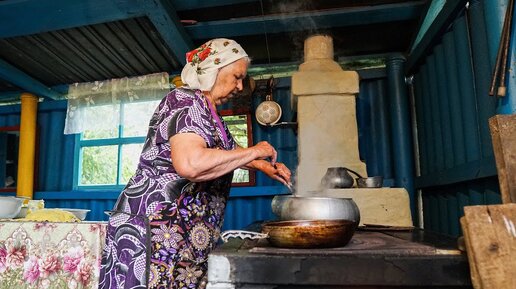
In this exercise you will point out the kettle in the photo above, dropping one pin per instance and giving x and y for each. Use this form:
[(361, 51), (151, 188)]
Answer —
[(338, 178)]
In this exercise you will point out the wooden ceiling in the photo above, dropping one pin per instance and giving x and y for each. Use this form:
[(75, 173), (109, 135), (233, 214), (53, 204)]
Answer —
[(46, 45)]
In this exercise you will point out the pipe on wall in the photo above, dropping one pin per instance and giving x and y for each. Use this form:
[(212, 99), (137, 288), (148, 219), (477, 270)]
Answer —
[(400, 127), (27, 146)]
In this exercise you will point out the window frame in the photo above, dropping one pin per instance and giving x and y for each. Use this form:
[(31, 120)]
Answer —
[(119, 141), (231, 112)]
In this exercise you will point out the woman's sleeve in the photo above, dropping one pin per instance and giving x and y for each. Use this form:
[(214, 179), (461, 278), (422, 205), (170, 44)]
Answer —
[(184, 116)]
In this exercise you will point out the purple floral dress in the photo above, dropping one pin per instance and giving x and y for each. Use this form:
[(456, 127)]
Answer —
[(163, 226)]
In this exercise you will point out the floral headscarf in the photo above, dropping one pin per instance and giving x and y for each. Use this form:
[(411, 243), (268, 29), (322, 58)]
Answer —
[(203, 63)]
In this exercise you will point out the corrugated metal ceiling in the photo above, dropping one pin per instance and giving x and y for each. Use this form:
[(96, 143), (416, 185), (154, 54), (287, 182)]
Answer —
[(111, 50)]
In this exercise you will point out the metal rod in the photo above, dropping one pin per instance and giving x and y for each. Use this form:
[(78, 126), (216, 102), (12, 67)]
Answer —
[(507, 41), (494, 77)]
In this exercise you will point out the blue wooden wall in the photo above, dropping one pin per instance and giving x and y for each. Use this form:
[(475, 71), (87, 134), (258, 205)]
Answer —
[(247, 204), (55, 164), (453, 107)]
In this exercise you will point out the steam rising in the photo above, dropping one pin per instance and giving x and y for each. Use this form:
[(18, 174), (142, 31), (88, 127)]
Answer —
[(302, 27)]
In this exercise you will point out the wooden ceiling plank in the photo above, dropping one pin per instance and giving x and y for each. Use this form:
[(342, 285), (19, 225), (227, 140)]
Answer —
[(19, 78), (165, 20), (29, 17), (306, 20), (198, 4)]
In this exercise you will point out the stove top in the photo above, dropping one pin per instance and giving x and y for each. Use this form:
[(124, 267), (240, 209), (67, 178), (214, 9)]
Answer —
[(363, 242)]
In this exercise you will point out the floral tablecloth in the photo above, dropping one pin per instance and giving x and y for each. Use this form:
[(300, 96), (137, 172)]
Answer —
[(50, 255)]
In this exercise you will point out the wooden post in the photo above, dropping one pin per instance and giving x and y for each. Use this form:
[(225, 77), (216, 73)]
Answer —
[(503, 133)]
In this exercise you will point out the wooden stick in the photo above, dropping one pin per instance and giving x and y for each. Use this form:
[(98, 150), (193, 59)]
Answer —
[(496, 69), (507, 41)]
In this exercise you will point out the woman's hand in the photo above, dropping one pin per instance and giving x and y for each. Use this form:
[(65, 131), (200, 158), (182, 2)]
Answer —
[(278, 172), (264, 150)]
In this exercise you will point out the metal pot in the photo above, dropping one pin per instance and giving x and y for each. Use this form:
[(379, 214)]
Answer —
[(370, 182), (338, 178), (290, 207), (301, 233)]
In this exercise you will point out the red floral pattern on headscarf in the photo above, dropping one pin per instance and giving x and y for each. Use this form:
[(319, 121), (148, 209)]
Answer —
[(199, 55)]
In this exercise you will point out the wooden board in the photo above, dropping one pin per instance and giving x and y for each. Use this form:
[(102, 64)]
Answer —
[(503, 134), (490, 234)]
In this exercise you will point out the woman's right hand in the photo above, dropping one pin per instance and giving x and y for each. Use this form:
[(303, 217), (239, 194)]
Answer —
[(265, 150)]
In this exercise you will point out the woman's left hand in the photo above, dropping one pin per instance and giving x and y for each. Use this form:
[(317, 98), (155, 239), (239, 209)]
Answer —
[(278, 172)]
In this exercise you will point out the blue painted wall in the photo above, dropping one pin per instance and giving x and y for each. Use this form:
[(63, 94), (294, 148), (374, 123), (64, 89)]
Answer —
[(451, 104), (55, 165), (247, 204), (453, 107)]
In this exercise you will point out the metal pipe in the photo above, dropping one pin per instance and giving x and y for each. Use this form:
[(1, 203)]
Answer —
[(399, 108)]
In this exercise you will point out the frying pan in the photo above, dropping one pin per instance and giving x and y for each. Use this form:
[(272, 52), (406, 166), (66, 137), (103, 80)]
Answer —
[(301, 233)]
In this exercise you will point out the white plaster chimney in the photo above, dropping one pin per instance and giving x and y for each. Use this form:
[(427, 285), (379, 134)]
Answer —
[(325, 97)]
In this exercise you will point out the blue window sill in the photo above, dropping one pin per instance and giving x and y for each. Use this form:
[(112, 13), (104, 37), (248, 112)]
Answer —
[(111, 194)]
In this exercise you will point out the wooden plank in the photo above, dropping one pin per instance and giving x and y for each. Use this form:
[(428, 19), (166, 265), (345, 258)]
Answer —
[(475, 278), (503, 134), (491, 243)]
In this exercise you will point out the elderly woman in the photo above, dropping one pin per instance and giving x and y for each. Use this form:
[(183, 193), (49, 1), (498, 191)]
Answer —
[(168, 217)]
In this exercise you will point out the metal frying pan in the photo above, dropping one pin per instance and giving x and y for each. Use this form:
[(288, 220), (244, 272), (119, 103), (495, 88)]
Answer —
[(301, 233)]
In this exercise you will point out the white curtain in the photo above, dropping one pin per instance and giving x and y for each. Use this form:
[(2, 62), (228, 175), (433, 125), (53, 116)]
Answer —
[(84, 98)]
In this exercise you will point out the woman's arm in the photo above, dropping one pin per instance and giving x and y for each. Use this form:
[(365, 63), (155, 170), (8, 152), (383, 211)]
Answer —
[(193, 160)]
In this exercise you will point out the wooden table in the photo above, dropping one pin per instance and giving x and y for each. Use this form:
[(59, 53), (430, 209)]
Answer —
[(372, 259), (50, 255)]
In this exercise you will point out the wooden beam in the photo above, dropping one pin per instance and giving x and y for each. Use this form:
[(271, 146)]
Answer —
[(198, 4), (306, 21), (166, 21), (27, 17), (19, 78)]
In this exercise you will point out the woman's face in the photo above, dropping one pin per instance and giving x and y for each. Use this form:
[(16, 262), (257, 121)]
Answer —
[(229, 81)]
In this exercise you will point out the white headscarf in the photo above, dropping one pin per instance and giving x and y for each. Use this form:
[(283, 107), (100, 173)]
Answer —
[(203, 63)]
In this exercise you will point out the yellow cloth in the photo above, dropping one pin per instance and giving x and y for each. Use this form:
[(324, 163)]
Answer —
[(51, 215)]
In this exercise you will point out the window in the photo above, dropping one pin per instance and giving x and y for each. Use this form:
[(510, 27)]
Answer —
[(240, 127), (107, 158)]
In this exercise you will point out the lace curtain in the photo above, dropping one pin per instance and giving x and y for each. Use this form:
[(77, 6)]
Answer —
[(84, 98)]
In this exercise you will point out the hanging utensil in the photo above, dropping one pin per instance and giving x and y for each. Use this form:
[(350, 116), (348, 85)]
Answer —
[(268, 112)]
